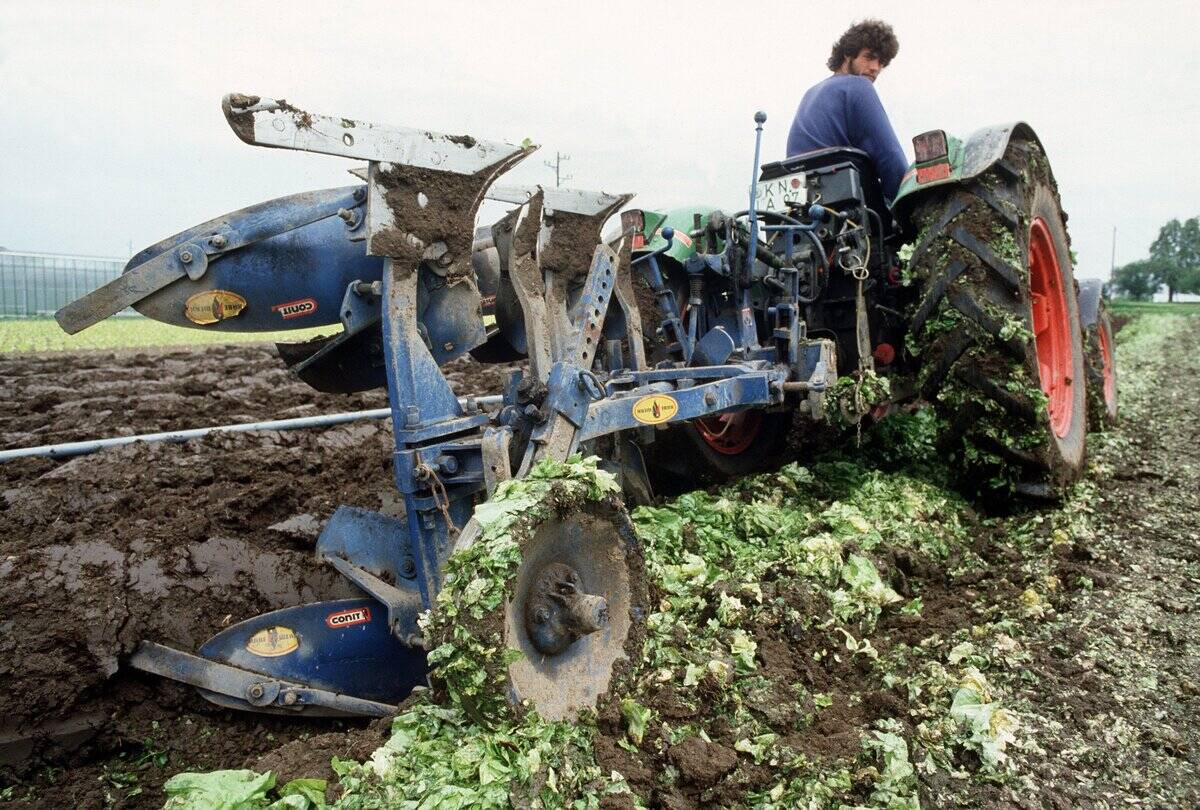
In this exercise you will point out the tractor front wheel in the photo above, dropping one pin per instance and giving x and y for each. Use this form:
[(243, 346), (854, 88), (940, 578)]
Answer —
[(716, 449), (997, 329)]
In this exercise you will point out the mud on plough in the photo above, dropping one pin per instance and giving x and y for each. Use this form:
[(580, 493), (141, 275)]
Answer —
[(992, 335)]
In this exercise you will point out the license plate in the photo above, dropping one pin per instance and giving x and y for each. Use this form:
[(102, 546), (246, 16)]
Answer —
[(772, 195)]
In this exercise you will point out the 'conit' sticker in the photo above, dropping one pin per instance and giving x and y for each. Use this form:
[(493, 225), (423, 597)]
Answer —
[(655, 409), (273, 642), (296, 309), (348, 618), (210, 306)]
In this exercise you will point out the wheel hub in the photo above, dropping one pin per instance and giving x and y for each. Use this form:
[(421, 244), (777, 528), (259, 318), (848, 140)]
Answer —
[(1051, 328), (730, 433), (573, 605), (558, 612)]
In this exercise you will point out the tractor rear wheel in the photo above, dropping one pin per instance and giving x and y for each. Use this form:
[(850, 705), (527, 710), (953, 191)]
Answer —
[(1101, 371), (997, 328)]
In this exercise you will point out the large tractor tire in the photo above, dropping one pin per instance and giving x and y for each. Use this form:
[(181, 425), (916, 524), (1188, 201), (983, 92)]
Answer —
[(997, 328), (1101, 369)]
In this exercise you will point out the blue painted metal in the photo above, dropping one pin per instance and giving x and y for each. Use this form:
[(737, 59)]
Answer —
[(336, 649), (246, 690), (275, 264), (420, 397), (376, 542), (746, 390), (402, 605)]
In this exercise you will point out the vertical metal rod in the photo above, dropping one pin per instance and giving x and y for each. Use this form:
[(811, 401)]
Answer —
[(748, 333)]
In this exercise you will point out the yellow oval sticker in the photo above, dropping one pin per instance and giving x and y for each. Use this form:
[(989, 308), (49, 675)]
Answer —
[(655, 409), (211, 306), (273, 641)]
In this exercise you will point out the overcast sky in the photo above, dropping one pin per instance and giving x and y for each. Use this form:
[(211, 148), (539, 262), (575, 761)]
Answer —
[(113, 137)]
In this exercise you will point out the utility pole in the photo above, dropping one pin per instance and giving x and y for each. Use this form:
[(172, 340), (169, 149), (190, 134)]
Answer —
[(1112, 268), (559, 157)]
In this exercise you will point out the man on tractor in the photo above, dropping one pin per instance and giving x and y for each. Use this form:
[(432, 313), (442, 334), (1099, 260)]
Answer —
[(845, 110)]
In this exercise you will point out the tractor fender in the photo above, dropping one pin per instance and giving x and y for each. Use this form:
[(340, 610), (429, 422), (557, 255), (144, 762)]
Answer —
[(683, 220), (968, 160), (1089, 301)]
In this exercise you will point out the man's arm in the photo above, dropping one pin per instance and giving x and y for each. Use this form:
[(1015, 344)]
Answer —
[(873, 132)]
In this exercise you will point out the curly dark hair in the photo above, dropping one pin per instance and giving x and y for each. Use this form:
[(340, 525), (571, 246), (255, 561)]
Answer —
[(874, 35)]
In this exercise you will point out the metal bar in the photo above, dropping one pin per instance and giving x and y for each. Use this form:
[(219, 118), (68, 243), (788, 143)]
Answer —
[(68, 449), (267, 122), (254, 688), (616, 413)]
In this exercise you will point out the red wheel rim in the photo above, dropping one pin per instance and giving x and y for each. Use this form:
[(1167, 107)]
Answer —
[(1106, 356), (1051, 328), (730, 433)]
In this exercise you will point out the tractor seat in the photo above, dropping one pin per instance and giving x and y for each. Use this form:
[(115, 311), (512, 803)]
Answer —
[(828, 158)]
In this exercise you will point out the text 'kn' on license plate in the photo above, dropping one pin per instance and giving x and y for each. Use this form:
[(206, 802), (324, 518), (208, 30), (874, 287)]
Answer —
[(772, 195)]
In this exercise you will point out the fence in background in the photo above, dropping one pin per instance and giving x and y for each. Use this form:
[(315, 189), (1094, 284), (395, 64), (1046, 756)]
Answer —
[(37, 284)]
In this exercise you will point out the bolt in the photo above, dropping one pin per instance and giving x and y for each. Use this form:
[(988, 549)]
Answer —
[(710, 397), (218, 241), (541, 616), (347, 215), (359, 193), (186, 257), (289, 699), (408, 568), (448, 345), (256, 691)]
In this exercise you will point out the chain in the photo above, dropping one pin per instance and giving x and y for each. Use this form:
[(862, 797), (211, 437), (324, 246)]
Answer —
[(866, 361), (440, 498)]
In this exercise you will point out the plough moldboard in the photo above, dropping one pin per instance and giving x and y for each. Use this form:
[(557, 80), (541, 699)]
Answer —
[(399, 264)]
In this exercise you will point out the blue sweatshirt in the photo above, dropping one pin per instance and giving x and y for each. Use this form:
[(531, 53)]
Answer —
[(845, 110)]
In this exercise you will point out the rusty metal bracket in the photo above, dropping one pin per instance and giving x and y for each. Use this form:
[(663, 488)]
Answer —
[(497, 468)]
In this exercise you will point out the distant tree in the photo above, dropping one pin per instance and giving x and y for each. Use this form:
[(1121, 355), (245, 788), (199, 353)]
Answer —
[(1176, 253), (1189, 255), (1138, 280)]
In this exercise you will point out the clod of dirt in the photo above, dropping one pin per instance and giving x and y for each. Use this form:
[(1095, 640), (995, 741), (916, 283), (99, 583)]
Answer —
[(310, 757), (702, 763), (303, 526)]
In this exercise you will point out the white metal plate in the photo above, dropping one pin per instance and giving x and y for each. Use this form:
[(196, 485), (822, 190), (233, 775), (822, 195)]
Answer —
[(772, 195)]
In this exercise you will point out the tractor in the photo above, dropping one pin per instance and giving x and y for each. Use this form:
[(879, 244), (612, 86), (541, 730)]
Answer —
[(685, 346)]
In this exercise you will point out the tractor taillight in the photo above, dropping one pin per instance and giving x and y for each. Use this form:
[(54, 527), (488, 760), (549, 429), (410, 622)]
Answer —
[(930, 146), (634, 221), (933, 156)]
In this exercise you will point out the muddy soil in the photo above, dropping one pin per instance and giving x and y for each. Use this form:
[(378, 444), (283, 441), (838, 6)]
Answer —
[(1109, 695), (162, 542)]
